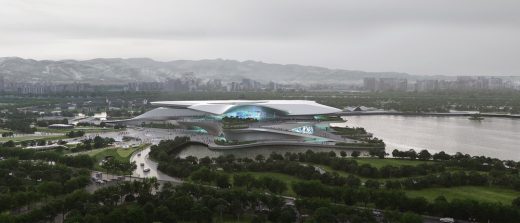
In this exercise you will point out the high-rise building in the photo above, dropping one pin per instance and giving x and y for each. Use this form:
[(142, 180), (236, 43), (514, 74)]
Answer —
[(370, 84)]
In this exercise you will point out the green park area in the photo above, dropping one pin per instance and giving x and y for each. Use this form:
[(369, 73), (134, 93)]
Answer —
[(280, 170), (288, 179), (477, 193), (378, 163), (122, 155)]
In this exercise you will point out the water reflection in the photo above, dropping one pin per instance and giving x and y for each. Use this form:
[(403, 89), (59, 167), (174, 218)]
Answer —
[(494, 137)]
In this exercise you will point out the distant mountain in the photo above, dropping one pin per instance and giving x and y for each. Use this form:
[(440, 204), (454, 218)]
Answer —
[(117, 71)]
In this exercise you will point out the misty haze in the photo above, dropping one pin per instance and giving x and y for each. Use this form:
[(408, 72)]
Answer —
[(259, 111)]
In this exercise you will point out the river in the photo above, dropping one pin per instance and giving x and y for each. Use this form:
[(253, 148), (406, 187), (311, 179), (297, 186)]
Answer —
[(494, 137)]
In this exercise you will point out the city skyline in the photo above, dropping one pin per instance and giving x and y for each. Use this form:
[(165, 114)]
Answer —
[(423, 38)]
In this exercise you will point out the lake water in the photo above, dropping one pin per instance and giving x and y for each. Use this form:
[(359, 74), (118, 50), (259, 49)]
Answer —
[(494, 137)]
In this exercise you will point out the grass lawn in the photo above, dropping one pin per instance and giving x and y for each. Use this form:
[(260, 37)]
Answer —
[(120, 154), (288, 179), (478, 193), (329, 169), (378, 163), (100, 155)]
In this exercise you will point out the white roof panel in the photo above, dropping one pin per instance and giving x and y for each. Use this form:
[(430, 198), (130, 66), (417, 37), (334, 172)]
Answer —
[(291, 107)]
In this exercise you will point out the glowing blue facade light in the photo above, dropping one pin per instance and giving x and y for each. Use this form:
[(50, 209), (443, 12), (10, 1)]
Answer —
[(304, 130), (254, 112)]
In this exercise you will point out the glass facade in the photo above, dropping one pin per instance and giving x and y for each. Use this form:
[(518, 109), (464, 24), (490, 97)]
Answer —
[(254, 112)]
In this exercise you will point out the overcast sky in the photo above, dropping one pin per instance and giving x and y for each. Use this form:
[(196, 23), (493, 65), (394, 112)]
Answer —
[(451, 37)]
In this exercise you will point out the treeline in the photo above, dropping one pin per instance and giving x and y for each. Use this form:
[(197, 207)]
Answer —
[(46, 123), (36, 142), (116, 166), (165, 153), (78, 161), (360, 134), (95, 143), (7, 134), (463, 170), (136, 202), (364, 170), (460, 160), (25, 182), (222, 180), (168, 148), (350, 190), (397, 200), (290, 164), (483, 101), (423, 175), (17, 121), (74, 134), (22, 125), (32, 180)]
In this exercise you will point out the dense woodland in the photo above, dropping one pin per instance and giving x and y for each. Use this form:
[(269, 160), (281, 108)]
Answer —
[(364, 186), (39, 186)]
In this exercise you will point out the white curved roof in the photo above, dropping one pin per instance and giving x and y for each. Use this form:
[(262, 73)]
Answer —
[(219, 107), (167, 113)]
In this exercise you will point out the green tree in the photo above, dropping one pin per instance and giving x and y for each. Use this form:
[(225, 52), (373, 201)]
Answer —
[(516, 202), (410, 217), (203, 175), (372, 184), (324, 215), (243, 180), (424, 155), (9, 143), (259, 158), (287, 214), (222, 180), (50, 188)]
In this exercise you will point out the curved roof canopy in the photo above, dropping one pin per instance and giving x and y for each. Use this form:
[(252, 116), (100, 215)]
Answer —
[(219, 107), (167, 113)]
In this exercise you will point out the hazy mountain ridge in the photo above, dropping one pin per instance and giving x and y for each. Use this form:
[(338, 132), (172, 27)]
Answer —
[(118, 71)]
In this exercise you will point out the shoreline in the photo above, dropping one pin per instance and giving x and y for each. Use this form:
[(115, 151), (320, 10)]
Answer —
[(286, 143), (461, 114)]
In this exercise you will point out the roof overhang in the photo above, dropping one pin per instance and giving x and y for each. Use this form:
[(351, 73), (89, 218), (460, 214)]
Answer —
[(219, 107)]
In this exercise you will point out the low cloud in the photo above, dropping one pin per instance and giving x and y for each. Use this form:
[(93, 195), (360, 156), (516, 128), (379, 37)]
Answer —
[(469, 37)]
